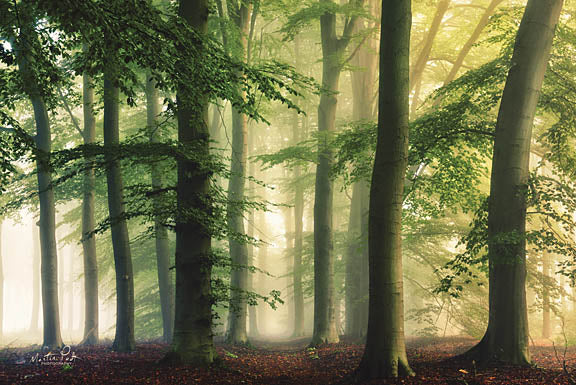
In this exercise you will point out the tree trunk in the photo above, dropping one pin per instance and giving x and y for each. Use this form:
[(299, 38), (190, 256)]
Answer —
[(298, 245), (1, 285), (47, 222), (333, 49), (237, 316), (252, 310), (192, 342), (356, 284), (160, 231), (546, 271), (91, 316), (506, 338), (385, 352), (124, 339), (35, 278)]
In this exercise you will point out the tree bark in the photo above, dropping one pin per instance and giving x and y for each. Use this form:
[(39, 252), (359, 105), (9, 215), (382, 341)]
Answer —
[(47, 222), (385, 352), (506, 338), (192, 342), (237, 316), (252, 310), (124, 338), (1, 284), (356, 284), (160, 231), (333, 49), (35, 278), (91, 315), (546, 271)]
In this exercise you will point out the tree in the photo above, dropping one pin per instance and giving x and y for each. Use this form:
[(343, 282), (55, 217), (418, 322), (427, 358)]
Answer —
[(239, 13), (26, 47), (506, 338), (385, 352), (88, 222), (160, 231), (333, 50), (124, 338), (35, 278), (192, 342), (363, 90)]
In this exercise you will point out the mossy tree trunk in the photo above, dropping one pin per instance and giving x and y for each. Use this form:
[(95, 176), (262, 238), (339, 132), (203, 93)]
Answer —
[(25, 46), (192, 342), (385, 352), (506, 338)]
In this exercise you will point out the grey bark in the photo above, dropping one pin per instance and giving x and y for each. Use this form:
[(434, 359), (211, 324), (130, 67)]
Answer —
[(237, 315), (91, 316), (35, 278), (385, 352), (333, 50), (124, 337), (506, 338), (192, 342), (160, 231), (49, 254)]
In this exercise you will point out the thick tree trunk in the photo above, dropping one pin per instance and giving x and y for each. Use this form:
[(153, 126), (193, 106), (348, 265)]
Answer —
[(546, 270), (124, 338), (192, 342), (91, 316), (237, 316), (35, 278), (47, 222), (160, 231), (385, 352), (506, 338)]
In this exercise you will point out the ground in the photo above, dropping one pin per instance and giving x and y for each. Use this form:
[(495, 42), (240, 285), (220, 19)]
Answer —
[(279, 362)]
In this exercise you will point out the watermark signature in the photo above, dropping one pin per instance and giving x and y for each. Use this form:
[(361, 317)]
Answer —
[(65, 357)]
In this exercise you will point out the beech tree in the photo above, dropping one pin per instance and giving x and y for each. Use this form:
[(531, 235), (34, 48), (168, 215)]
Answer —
[(385, 351), (506, 338)]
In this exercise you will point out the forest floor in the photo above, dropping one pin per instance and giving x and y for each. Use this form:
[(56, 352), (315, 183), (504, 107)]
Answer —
[(278, 362)]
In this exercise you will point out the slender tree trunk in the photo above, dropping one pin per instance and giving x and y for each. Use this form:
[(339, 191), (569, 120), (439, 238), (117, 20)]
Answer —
[(1, 284), (124, 339), (356, 283), (385, 352), (91, 316), (252, 310), (472, 40), (47, 222), (298, 244), (546, 270), (333, 49), (70, 291), (35, 278), (424, 56), (237, 316), (506, 338), (192, 342), (160, 231)]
